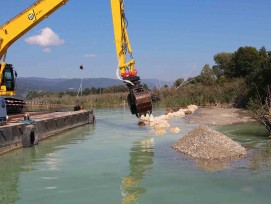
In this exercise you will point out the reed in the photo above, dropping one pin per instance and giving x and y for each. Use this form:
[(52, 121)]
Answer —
[(230, 92)]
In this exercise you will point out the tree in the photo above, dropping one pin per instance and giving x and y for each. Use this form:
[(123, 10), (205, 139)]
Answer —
[(178, 82), (207, 76), (262, 78), (263, 57), (223, 62), (247, 61)]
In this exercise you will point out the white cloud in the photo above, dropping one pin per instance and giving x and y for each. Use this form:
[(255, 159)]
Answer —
[(47, 49), (89, 55), (46, 37)]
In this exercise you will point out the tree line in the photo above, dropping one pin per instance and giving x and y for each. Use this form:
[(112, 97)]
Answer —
[(241, 78), (250, 70), (247, 63), (246, 67)]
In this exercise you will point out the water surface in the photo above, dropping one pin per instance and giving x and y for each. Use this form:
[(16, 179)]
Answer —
[(117, 161)]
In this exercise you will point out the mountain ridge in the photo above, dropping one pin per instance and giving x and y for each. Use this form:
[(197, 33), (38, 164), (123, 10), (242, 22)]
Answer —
[(26, 84)]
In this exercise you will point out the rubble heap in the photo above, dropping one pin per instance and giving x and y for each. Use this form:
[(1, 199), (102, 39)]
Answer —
[(160, 123), (205, 143)]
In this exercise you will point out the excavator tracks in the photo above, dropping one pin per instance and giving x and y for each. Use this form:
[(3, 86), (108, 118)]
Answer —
[(14, 105)]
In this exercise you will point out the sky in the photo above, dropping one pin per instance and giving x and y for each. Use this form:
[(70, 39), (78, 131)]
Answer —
[(170, 39)]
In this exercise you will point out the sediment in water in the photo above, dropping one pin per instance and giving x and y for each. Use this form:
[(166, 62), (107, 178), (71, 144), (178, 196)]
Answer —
[(205, 143)]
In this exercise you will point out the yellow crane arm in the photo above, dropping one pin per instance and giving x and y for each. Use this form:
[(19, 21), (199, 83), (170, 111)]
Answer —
[(139, 98), (122, 39), (26, 20), (19, 25)]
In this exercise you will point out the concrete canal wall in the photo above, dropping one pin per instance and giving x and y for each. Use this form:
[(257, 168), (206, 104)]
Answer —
[(26, 133)]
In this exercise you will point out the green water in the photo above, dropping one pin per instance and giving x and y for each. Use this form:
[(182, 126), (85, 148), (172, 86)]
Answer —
[(117, 161)]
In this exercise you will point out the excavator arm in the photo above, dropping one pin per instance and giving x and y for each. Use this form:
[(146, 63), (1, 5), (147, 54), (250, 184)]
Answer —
[(139, 98), (19, 25)]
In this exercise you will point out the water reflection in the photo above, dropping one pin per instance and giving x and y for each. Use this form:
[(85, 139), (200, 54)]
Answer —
[(140, 164), (43, 156), (259, 158), (211, 165), (254, 138)]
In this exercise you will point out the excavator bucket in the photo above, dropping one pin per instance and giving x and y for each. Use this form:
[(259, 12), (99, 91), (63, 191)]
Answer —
[(139, 100)]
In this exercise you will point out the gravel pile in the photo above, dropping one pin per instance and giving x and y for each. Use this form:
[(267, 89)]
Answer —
[(205, 143)]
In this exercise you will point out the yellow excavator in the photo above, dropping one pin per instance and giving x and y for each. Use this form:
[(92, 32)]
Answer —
[(139, 99)]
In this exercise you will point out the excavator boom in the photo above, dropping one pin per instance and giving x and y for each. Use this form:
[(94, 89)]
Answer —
[(139, 98), (18, 26), (25, 21), (12, 31)]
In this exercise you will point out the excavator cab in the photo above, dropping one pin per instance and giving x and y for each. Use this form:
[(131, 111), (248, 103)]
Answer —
[(8, 78), (8, 87)]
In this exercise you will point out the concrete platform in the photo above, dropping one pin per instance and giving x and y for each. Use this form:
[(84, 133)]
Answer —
[(26, 133)]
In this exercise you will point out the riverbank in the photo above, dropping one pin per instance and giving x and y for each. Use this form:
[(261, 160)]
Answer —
[(219, 116)]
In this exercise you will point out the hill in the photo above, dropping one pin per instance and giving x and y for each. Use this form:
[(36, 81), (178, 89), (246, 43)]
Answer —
[(26, 84)]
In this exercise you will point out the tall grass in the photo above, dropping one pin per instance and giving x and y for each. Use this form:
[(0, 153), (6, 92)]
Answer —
[(230, 92), (54, 102), (202, 95)]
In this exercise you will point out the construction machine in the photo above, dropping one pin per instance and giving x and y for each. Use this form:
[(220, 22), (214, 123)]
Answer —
[(139, 99), (9, 33)]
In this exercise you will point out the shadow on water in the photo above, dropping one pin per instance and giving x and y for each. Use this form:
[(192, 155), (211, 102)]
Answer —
[(140, 164), (14, 163)]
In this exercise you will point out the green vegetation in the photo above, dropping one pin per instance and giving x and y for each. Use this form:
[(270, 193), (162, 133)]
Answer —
[(56, 101), (221, 92), (239, 79)]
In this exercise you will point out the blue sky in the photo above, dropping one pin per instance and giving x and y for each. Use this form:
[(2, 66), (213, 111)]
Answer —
[(169, 38)]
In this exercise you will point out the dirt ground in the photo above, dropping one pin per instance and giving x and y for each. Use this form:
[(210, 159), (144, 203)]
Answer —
[(219, 116)]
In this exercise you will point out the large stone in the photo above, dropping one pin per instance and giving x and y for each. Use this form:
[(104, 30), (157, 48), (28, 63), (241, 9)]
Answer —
[(174, 130), (161, 124)]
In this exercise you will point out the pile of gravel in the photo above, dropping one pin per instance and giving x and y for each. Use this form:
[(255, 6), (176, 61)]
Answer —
[(205, 143)]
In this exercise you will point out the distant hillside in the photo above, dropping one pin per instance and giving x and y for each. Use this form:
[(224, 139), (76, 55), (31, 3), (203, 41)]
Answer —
[(24, 85)]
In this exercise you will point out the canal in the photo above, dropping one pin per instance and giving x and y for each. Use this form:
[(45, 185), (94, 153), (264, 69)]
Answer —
[(117, 161)]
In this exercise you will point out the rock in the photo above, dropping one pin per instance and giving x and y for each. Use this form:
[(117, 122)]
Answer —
[(145, 117), (205, 143), (160, 123), (151, 118), (160, 132), (171, 110), (174, 130), (187, 111), (192, 108)]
